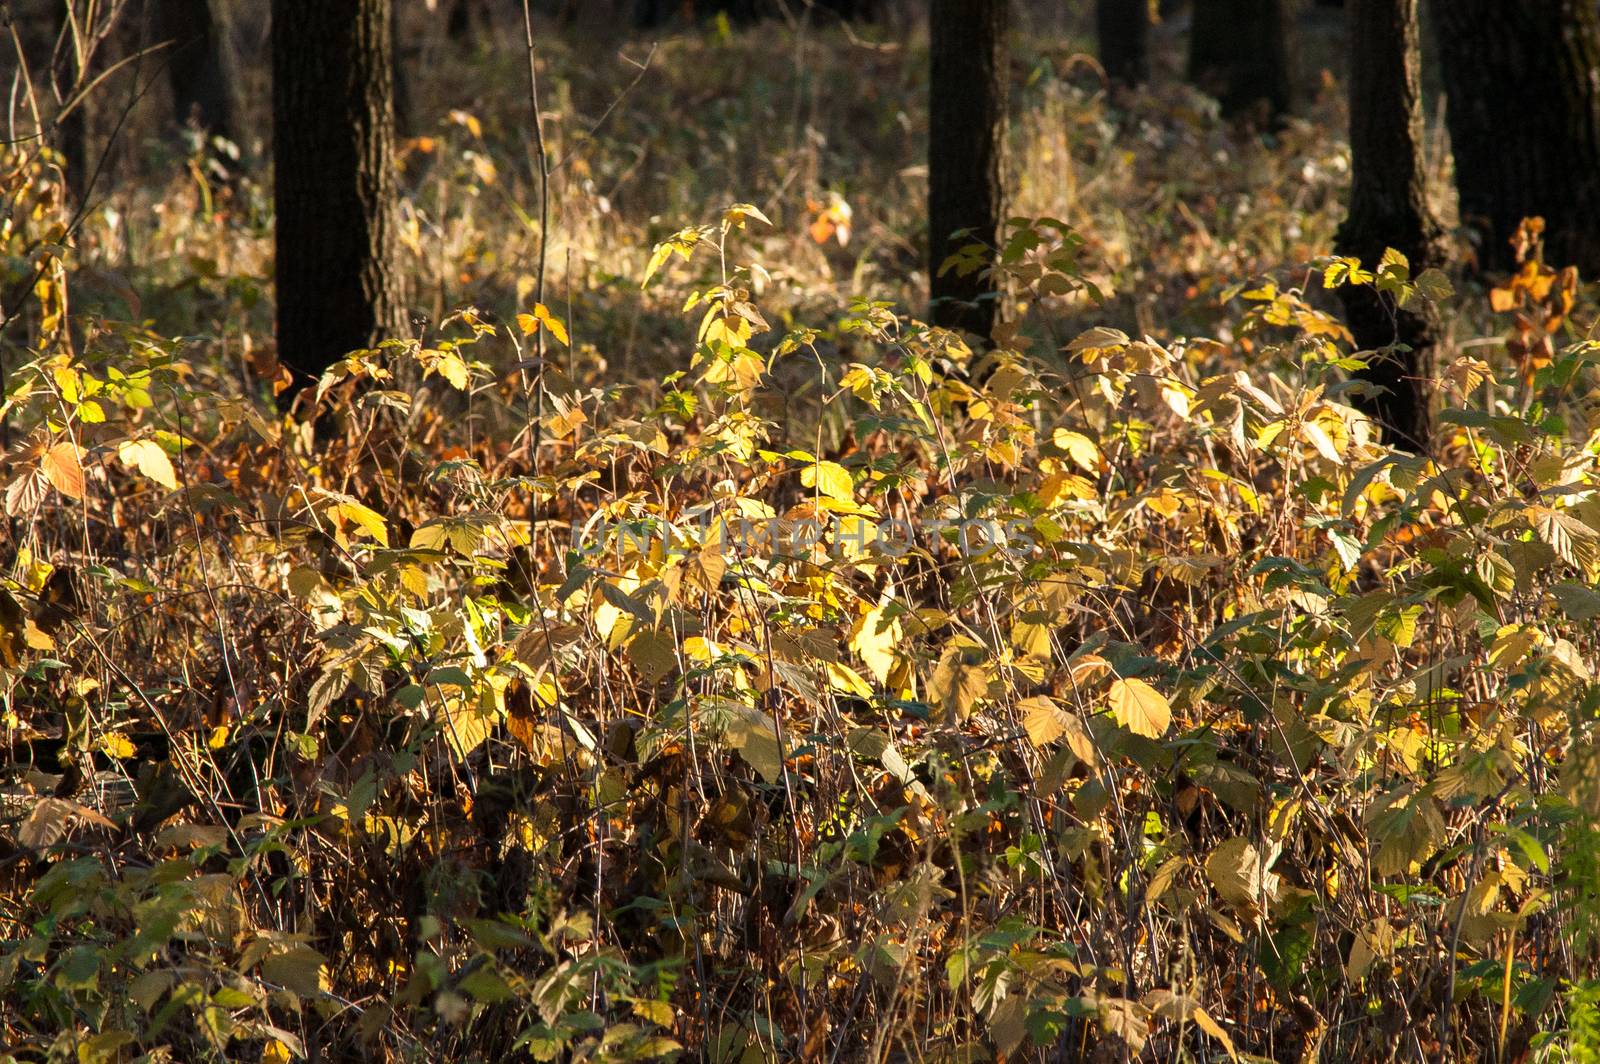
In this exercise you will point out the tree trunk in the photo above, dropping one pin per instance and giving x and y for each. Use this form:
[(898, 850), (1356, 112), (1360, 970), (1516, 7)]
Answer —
[(966, 144), (68, 74), (1123, 29), (1524, 118), (199, 67), (1389, 209), (461, 19), (338, 284), (1239, 52)]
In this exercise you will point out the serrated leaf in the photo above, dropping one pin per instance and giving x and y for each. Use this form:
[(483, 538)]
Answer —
[(1080, 448), (736, 214), (1407, 827), (1042, 719), (875, 641), (62, 466), (1098, 338), (829, 478), (368, 520), (302, 970), (1140, 708), (1434, 285), (754, 735), (1239, 872), (148, 457), (542, 318)]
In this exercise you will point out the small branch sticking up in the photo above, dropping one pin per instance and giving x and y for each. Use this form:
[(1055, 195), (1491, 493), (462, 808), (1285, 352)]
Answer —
[(536, 385)]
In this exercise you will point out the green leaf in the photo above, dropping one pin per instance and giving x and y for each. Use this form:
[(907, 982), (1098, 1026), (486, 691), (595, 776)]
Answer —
[(302, 970), (1434, 285)]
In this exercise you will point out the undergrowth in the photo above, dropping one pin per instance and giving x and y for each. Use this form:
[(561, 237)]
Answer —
[(785, 679)]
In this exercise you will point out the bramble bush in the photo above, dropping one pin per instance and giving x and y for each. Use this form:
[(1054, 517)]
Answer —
[(482, 725)]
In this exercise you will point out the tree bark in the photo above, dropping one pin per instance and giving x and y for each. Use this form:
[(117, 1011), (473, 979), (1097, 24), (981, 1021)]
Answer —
[(338, 286), (1389, 209), (1524, 119), (199, 67), (1123, 29), (1239, 52), (966, 145)]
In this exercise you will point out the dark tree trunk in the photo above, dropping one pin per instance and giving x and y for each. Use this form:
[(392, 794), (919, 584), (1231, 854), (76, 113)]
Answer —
[(72, 128), (966, 144), (1524, 118), (1239, 52), (1123, 29), (199, 66), (338, 286), (459, 23), (1389, 209)]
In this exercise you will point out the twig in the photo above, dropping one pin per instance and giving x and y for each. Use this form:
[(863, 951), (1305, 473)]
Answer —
[(644, 68), (537, 383)]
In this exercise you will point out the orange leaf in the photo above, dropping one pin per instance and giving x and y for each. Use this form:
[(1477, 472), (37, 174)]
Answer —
[(63, 467)]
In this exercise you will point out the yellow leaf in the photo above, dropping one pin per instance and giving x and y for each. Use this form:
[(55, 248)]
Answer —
[(845, 679), (63, 468), (874, 641), (959, 680), (1098, 338), (467, 723), (1031, 640), (116, 745), (1140, 708), (150, 460), (1318, 437), (368, 520), (1080, 448), (452, 369), (657, 1012), (654, 653), (1203, 1020), (755, 736), (561, 425), (1042, 719), (830, 478), (1046, 722), (542, 318), (557, 328), (1239, 872), (736, 214), (658, 258)]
